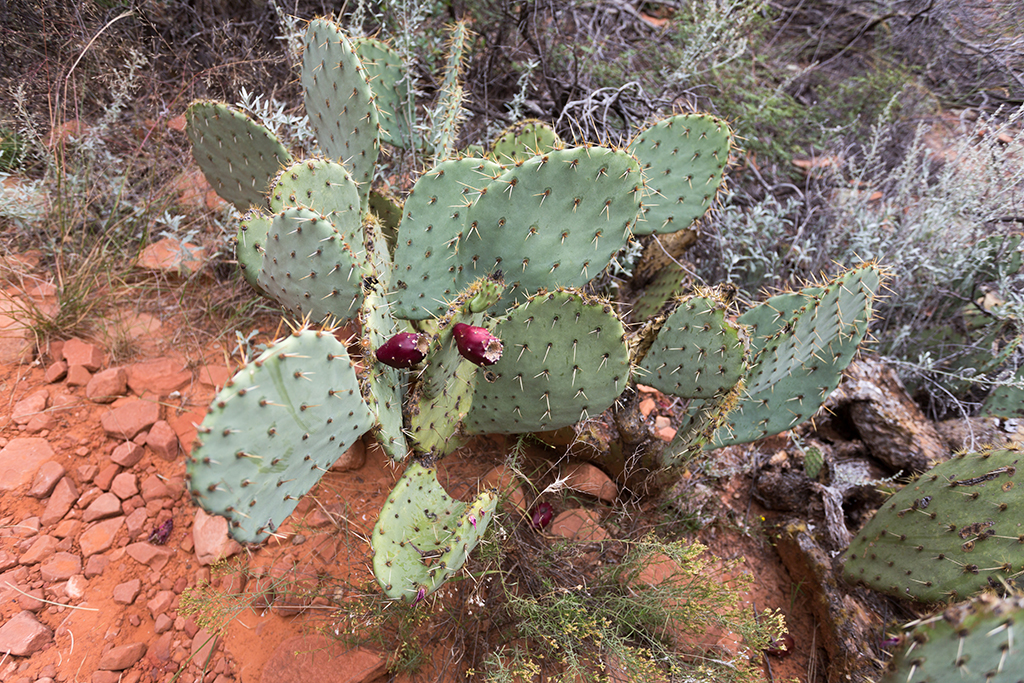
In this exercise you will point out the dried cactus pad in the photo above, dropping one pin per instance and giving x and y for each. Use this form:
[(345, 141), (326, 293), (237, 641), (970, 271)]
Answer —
[(683, 158), (423, 536), (238, 156), (273, 431), (953, 532), (977, 641), (565, 359)]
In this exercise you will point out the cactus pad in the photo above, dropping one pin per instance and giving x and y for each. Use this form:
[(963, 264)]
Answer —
[(976, 641), (683, 158), (272, 432), (799, 365), (523, 140), (423, 536), (309, 268), (339, 102), (565, 360), (382, 386), (427, 271), (390, 84), (697, 353), (238, 156), (554, 220), (249, 242), (949, 534)]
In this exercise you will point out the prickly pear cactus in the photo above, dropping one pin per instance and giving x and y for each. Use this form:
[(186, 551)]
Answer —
[(683, 158), (390, 83), (238, 156), (947, 535), (976, 641), (318, 184), (339, 102), (275, 429), (1006, 401), (697, 353), (382, 386), (249, 243), (803, 343), (444, 390), (555, 220), (309, 268), (523, 140), (565, 360), (447, 114), (423, 535), (427, 272)]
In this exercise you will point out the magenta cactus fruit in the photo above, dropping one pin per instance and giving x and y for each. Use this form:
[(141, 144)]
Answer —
[(476, 344), (541, 515), (403, 350)]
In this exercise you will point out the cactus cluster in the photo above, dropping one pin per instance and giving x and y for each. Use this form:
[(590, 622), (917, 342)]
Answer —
[(471, 311)]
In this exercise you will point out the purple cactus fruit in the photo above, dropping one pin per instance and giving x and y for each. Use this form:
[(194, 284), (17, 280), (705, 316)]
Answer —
[(541, 515), (161, 534), (403, 350), (476, 344)]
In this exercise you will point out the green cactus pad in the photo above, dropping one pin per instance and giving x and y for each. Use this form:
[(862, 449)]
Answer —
[(249, 242), (275, 428), (339, 102), (565, 360), (684, 160), (802, 362), (697, 353), (423, 536), (949, 534), (238, 156), (390, 85), (309, 269), (555, 220), (444, 389), (382, 385), (318, 184), (388, 210), (427, 270), (764, 320), (1006, 401), (975, 641), (523, 140), (664, 286)]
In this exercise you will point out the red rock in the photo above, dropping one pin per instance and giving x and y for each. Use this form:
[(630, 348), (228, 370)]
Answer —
[(136, 522), (100, 536), (214, 375), (123, 657), (352, 459), (210, 538), (31, 405), (76, 586), (589, 479), (163, 623), (162, 647), (172, 256), (55, 372), (647, 406), (127, 454), (20, 460), (7, 560), (127, 420), (317, 658), (78, 376), (96, 565), (504, 479), (66, 527), (125, 594), (153, 487), (78, 352), (160, 603), (31, 601), (105, 477), (46, 479), (203, 645), (40, 550), (17, 343), (579, 525), (124, 486), (163, 440), (154, 556), (106, 677), (106, 386), (61, 567), (185, 427), (159, 377), (106, 506), (23, 635), (41, 423)]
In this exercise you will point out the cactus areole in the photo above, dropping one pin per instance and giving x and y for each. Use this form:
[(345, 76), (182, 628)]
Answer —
[(476, 344), (403, 350)]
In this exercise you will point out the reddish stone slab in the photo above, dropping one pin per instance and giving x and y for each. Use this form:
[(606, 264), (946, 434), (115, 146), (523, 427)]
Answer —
[(127, 420), (20, 460)]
